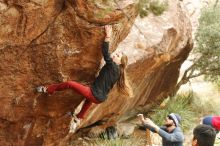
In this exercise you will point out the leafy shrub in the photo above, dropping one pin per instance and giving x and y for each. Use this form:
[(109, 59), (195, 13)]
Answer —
[(151, 6), (158, 8), (180, 105), (189, 107), (207, 48)]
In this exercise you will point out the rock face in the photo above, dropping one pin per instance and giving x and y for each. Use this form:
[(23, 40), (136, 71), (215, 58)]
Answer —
[(51, 41)]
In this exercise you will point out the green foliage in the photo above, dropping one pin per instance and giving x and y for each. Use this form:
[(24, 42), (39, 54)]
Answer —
[(121, 142), (103, 13), (134, 141), (106, 7), (157, 7), (190, 108), (143, 6), (203, 108), (207, 48), (151, 6), (178, 104)]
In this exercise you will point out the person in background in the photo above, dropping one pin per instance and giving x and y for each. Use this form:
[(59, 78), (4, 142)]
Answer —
[(170, 132), (203, 135), (213, 121)]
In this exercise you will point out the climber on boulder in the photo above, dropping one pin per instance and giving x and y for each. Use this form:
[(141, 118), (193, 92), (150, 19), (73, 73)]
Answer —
[(111, 73)]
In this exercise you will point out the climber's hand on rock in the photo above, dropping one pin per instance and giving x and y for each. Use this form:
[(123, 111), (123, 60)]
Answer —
[(108, 32), (141, 117)]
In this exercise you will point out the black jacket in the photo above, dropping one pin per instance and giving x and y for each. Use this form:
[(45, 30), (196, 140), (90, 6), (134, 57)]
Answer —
[(108, 76)]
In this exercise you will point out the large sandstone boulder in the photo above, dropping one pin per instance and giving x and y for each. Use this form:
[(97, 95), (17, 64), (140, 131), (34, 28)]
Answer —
[(51, 41)]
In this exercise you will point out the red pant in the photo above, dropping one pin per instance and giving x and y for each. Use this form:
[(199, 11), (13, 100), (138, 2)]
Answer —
[(79, 88)]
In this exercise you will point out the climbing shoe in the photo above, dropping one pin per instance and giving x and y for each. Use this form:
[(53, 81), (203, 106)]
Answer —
[(75, 122), (41, 89)]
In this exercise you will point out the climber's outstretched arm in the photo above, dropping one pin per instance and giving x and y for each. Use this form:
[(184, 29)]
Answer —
[(108, 32), (105, 46)]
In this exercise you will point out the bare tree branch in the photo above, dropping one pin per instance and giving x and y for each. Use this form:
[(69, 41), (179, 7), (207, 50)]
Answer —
[(216, 2)]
